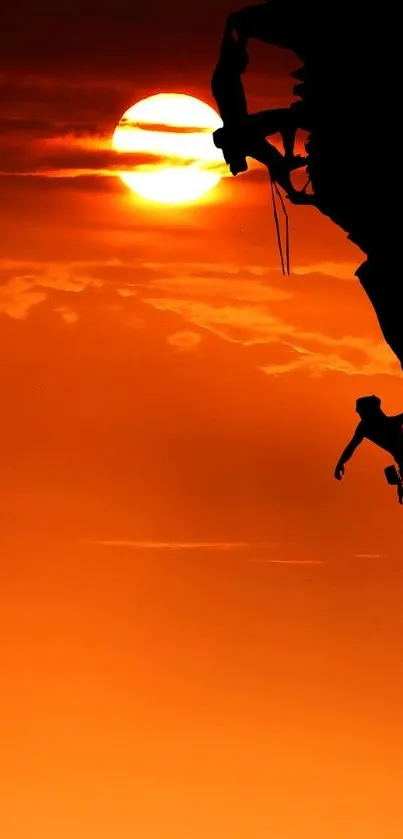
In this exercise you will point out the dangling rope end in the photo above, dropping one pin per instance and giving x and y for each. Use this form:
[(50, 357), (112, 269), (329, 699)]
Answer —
[(285, 268)]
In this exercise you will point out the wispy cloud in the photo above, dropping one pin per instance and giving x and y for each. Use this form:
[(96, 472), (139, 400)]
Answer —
[(286, 561), (339, 270), (80, 154), (74, 162), (207, 269), (238, 304), (21, 292), (239, 324), (164, 127), (170, 546), (217, 280), (18, 296), (369, 556), (185, 342), (253, 325), (68, 315), (236, 288), (377, 360), (248, 305)]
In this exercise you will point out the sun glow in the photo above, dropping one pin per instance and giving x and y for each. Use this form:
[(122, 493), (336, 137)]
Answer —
[(175, 129)]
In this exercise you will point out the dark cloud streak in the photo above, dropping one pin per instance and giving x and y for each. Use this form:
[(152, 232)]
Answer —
[(63, 160)]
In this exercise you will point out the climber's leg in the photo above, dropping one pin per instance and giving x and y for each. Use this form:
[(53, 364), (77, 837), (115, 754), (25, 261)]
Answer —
[(228, 92), (278, 166), (282, 121)]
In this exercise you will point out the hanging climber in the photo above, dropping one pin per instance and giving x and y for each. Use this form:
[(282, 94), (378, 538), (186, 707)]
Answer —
[(243, 134), (385, 431)]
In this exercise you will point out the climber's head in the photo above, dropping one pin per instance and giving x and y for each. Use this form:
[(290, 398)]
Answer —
[(368, 406)]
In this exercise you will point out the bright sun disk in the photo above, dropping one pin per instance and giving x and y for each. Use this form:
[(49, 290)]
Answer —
[(187, 172)]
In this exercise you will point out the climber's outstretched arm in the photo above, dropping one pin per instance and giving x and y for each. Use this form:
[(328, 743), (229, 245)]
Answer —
[(348, 452), (282, 121)]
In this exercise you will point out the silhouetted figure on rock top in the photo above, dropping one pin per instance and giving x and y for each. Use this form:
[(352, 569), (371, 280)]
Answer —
[(349, 95), (243, 134), (386, 432)]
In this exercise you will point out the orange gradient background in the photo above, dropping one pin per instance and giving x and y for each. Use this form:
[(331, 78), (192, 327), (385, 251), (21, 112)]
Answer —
[(201, 630)]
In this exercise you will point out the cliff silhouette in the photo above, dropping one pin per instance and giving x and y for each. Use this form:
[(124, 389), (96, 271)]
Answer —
[(347, 101)]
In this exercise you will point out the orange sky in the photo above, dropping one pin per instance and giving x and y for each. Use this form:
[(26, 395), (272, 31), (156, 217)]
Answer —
[(200, 629)]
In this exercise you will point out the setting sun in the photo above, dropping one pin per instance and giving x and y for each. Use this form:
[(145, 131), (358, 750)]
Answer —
[(176, 129)]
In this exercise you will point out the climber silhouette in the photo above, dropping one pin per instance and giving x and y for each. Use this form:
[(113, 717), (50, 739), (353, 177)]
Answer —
[(385, 431), (243, 134)]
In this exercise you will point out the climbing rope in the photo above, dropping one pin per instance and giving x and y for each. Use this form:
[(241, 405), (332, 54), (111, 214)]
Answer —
[(285, 267)]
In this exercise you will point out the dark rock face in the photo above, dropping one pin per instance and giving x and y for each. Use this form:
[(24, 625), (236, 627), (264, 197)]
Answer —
[(348, 101), (347, 92)]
